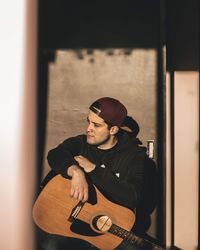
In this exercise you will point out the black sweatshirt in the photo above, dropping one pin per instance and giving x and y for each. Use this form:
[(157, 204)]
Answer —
[(119, 171)]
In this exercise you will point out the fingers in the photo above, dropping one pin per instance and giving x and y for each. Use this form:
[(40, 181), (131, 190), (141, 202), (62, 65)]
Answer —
[(79, 159), (85, 195), (84, 163), (79, 194), (79, 186)]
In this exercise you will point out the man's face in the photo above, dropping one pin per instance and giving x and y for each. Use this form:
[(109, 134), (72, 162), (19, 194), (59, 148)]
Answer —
[(98, 132)]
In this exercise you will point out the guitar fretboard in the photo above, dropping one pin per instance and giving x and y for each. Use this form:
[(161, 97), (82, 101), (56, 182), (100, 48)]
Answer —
[(132, 238)]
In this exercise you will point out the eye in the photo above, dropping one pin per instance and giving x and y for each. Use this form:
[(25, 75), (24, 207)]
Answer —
[(96, 125)]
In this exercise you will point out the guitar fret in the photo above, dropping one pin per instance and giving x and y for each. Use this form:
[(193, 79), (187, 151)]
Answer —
[(132, 238), (122, 233)]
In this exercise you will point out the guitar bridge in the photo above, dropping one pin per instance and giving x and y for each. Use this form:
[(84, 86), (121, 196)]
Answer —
[(75, 211)]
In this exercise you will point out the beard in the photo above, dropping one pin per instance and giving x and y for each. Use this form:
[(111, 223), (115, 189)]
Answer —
[(99, 142)]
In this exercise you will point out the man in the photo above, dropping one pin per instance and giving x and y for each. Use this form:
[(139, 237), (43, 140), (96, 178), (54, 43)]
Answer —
[(109, 155)]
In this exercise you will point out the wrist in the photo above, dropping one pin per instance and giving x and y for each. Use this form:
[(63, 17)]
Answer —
[(72, 170)]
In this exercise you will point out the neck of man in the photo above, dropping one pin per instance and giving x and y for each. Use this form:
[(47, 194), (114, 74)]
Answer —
[(109, 144)]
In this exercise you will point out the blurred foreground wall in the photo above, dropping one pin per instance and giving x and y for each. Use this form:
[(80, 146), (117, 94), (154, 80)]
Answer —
[(18, 118)]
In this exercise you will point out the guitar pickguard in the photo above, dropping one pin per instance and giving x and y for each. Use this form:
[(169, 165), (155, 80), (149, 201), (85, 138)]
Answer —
[(82, 228)]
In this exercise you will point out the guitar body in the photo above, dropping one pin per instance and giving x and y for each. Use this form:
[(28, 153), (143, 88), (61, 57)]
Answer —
[(54, 209)]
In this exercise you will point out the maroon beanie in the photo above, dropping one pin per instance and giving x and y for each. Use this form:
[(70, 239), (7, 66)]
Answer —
[(111, 110)]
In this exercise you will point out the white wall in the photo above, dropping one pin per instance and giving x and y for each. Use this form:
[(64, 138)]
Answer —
[(186, 160), (17, 129)]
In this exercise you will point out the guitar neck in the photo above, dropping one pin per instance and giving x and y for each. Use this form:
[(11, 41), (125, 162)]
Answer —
[(132, 238)]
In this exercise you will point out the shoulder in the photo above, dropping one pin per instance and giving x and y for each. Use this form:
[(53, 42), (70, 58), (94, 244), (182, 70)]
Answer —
[(132, 145), (77, 138)]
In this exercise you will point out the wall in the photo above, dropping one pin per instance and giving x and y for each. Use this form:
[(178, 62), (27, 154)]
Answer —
[(182, 173), (78, 77), (186, 159)]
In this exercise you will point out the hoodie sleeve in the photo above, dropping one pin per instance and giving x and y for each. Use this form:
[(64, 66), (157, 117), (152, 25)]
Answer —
[(62, 157)]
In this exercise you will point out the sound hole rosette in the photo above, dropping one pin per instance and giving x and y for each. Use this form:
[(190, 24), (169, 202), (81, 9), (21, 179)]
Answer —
[(101, 223)]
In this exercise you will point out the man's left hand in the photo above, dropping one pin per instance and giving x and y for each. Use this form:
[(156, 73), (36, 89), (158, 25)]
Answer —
[(83, 162)]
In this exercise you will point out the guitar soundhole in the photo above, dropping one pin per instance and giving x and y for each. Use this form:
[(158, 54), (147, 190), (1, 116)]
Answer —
[(102, 223)]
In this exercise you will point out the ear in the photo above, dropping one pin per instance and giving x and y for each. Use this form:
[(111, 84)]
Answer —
[(114, 130)]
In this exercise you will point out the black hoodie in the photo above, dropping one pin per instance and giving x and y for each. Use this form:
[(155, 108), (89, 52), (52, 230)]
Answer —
[(119, 171)]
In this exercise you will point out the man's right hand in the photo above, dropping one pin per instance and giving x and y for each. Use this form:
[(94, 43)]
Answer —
[(79, 185)]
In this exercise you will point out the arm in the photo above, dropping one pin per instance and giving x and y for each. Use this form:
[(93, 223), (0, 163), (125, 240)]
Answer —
[(125, 190), (62, 157), (61, 160), (79, 185)]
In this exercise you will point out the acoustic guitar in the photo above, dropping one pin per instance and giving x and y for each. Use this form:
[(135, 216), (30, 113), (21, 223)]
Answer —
[(97, 221)]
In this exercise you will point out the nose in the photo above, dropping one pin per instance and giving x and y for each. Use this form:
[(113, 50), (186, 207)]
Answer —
[(89, 127)]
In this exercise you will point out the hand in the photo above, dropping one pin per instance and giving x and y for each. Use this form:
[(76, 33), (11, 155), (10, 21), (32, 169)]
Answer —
[(83, 162), (79, 185)]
